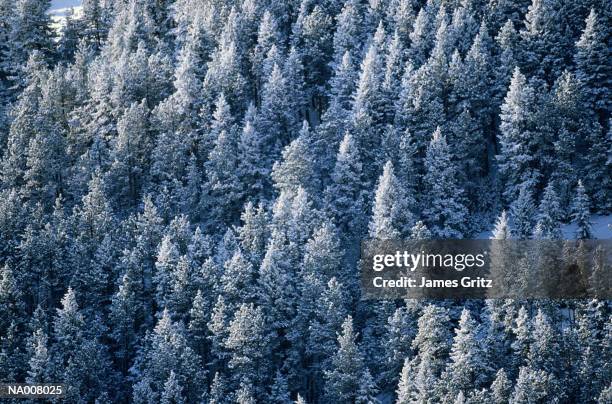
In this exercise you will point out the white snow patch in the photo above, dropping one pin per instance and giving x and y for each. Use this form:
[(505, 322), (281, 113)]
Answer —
[(65, 4), (58, 16), (600, 225)]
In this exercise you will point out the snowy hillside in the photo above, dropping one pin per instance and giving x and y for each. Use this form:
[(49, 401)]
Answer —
[(185, 185), (59, 10), (601, 227)]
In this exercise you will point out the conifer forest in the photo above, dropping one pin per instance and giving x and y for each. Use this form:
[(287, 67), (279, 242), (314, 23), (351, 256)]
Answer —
[(185, 184)]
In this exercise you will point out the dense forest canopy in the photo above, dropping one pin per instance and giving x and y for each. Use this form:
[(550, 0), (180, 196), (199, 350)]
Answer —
[(184, 185)]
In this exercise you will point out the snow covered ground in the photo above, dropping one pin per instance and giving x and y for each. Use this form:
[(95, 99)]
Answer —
[(601, 226), (60, 4), (59, 9)]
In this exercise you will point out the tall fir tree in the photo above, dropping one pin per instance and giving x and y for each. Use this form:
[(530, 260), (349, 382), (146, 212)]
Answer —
[(581, 214), (343, 380), (391, 213), (468, 368), (368, 106), (445, 213), (248, 344), (592, 68), (345, 195), (516, 162), (550, 215)]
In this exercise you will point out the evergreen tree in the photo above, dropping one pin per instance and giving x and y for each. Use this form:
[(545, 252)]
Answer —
[(280, 390), (323, 254), (348, 35), (143, 393), (198, 319), (402, 14), (253, 233), (248, 343), (523, 213), (597, 167), (501, 388), (344, 196), (404, 388), (126, 315), (69, 324), (606, 395), (343, 380), (543, 41), (367, 390), (532, 385), (293, 70), (238, 279), (404, 154), (254, 174), (502, 230), (167, 260), (432, 345), (421, 37), (421, 103), (470, 129), (223, 185), (94, 23), (394, 62), (420, 232), (445, 212), (500, 12), (46, 152), (11, 297), (296, 169), (183, 184), (574, 124), (267, 37), (464, 25), (544, 350), (217, 325), (549, 218), (172, 391), (277, 290), (25, 123), (401, 330), (218, 390), (312, 32), (244, 395), (516, 162), (368, 107), (30, 30), (581, 214), (39, 363), (166, 351), (130, 155), (592, 68), (79, 360), (523, 338), (274, 117), (225, 76), (335, 119), (391, 215), (467, 368), (329, 314), (508, 43)]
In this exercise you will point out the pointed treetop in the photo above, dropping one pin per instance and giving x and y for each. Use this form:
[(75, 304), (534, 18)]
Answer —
[(502, 229)]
